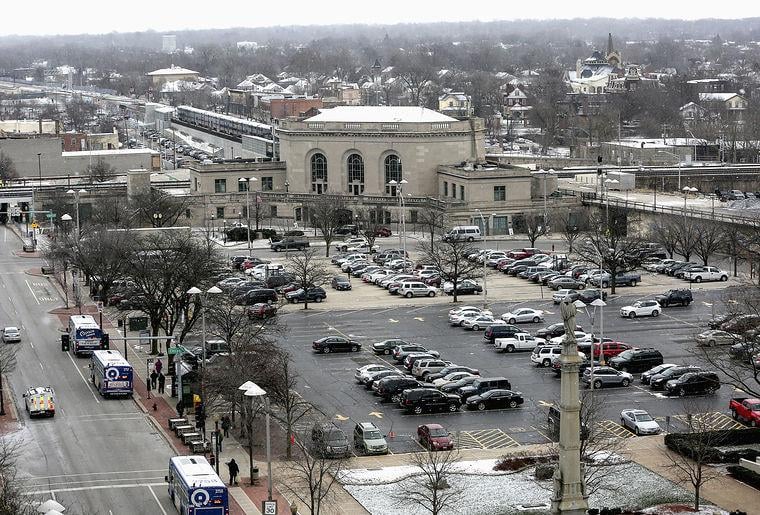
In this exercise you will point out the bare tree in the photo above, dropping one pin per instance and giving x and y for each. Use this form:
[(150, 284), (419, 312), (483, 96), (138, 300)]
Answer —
[(13, 499), (734, 244), (450, 258), (570, 225), (415, 71), (686, 236), (534, 226), (370, 222), (7, 365), (433, 221), (311, 476), (157, 208), (327, 213), (101, 171), (690, 456), (709, 240), (665, 232), (607, 242), (284, 395), (430, 486), (7, 168), (599, 450), (308, 270)]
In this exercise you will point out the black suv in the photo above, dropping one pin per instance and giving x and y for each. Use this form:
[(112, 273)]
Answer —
[(658, 381), (589, 295), (637, 360), (694, 383), (258, 295), (681, 296), (483, 384), (390, 388), (289, 244), (420, 400), (329, 441), (501, 331), (554, 330)]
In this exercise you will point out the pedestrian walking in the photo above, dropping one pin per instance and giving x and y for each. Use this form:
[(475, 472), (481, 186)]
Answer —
[(234, 469), (180, 408), (153, 379), (226, 425), (161, 382), (147, 387), (219, 440), (159, 366)]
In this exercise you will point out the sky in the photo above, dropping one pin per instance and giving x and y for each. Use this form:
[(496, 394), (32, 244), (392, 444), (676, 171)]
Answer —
[(48, 17)]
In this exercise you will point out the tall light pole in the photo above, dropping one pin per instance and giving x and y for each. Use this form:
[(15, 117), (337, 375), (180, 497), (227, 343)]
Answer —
[(608, 183), (39, 166), (544, 174), (76, 200), (203, 297), (252, 390), (400, 193), (485, 263), (247, 182), (686, 191), (680, 164)]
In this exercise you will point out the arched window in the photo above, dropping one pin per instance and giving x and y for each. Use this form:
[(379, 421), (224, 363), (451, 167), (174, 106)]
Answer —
[(355, 165), (319, 173), (392, 172)]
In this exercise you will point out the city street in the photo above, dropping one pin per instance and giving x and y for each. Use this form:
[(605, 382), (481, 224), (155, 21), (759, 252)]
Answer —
[(328, 380), (98, 456)]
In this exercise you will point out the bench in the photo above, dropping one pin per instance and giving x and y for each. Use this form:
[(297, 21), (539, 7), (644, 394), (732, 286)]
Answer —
[(174, 422), (182, 429), (198, 446), (188, 437)]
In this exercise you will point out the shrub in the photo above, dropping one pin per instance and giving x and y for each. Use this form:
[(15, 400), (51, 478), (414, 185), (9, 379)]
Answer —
[(744, 475)]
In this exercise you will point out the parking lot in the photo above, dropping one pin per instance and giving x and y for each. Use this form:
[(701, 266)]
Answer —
[(328, 380)]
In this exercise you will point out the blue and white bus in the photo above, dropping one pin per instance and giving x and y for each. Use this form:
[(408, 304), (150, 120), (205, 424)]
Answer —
[(84, 334), (110, 373), (194, 487)]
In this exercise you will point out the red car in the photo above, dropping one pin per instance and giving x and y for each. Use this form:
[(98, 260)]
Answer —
[(261, 311), (382, 231), (434, 281), (434, 437), (611, 349)]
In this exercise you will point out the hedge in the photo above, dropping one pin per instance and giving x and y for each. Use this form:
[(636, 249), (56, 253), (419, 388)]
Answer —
[(681, 443)]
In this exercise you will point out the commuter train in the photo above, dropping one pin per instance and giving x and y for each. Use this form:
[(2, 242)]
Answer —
[(221, 123)]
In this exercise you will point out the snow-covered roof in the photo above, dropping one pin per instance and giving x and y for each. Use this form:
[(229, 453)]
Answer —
[(716, 97), (517, 93), (175, 86), (704, 81), (658, 142), (174, 70), (380, 114)]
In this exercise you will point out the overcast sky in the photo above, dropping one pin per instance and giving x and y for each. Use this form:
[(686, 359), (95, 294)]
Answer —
[(91, 16)]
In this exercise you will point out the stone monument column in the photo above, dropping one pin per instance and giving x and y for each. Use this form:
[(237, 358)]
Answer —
[(569, 487)]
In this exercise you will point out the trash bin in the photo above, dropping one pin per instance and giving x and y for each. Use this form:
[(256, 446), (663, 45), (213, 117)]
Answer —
[(255, 473)]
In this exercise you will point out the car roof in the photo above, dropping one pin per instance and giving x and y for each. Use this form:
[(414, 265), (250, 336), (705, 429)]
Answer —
[(432, 426)]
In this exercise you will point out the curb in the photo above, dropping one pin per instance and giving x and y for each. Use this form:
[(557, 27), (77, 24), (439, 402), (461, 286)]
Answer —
[(158, 426)]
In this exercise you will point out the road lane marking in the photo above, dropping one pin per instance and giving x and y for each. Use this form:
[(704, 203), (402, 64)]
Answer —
[(31, 291), (83, 379), (100, 473), (83, 488), (156, 498)]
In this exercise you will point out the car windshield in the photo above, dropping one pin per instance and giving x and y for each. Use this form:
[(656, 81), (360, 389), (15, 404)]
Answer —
[(438, 431), (643, 417), (626, 354), (754, 407), (336, 437), (372, 435)]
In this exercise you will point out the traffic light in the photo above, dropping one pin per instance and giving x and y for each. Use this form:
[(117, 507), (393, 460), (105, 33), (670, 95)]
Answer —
[(105, 341), (200, 416), (65, 340)]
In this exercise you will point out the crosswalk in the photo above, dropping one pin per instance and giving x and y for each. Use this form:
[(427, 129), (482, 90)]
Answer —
[(485, 439), (711, 421)]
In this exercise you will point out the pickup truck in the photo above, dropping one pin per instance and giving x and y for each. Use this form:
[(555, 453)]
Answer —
[(706, 273), (520, 341), (746, 409), (621, 279), (289, 244)]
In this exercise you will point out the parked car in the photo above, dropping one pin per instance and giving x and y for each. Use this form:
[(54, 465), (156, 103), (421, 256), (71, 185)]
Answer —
[(362, 373), (424, 367), (564, 293), (390, 388), (522, 315), (693, 383), (713, 337), (286, 244), (11, 335), (707, 273), (636, 360), (39, 401), (387, 346), (658, 381), (609, 349), (500, 331), (745, 409), (544, 355), (639, 421), (464, 287), (400, 352), (416, 289), (606, 376), (369, 439), (562, 281), (680, 296), (458, 317), (330, 344), (621, 279), (434, 437), (347, 229), (589, 295), (329, 441), (451, 369), (495, 399), (641, 308), (481, 322), (646, 376), (261, 311), (420, 400), (455, 386), (314, 294), (257, 296), (340, 283), (482, 385), (554, 330), (553, 422), (518, 341)]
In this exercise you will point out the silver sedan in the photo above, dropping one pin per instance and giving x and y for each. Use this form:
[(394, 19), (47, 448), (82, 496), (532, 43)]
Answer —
[(639, 421)]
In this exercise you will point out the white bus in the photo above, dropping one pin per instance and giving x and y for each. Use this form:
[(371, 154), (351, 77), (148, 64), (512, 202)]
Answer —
[(195, 488), (110, 373), (84, 334)]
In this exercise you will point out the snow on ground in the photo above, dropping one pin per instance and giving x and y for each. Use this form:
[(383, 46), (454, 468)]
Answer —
[(488, 492)]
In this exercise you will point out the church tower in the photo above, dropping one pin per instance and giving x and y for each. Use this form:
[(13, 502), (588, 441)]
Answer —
[(613, 56)]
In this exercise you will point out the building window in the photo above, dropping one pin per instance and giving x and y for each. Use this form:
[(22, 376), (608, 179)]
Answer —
[(499, 193), (220, 213), (355, 165), (273, 210), (319, 173), (461, 193), (445, 189), (453, 191), (392, 172), (267, 184), (187, 213), (242, 186), (195, 183), (220, 185), (413, 216)]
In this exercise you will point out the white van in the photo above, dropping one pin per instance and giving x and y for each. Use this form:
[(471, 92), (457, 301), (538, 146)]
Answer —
[(464, 233)]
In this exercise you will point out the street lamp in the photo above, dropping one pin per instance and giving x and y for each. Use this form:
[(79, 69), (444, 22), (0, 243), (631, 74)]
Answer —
[(485, 262), (197, 291), (680, 164), (157, 217), (686, 190), (39, 166), (252, 390), (400, 188), (287, 186), (247, 182), (76, 199)]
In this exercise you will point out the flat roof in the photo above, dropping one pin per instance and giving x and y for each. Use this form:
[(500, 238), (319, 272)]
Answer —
[(380, 114), (113, 152)]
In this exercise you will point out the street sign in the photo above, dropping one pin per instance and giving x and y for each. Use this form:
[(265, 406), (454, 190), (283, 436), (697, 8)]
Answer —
[(174, 350), (100, 306), (269, 507), (51, 215)]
